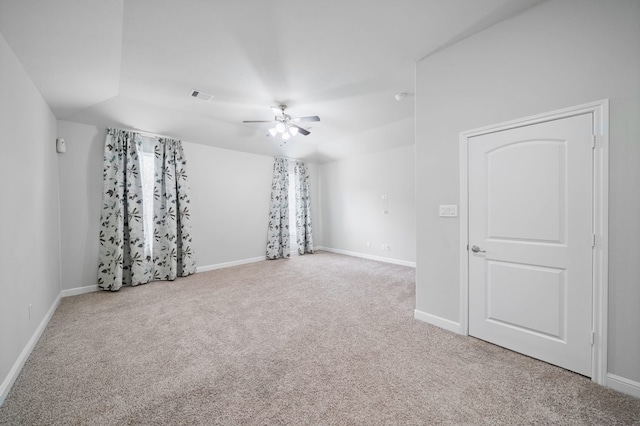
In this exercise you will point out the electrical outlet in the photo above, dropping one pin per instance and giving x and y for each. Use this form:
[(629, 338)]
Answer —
[(385, 247), (30, 306), (368, 244), (448, 210)]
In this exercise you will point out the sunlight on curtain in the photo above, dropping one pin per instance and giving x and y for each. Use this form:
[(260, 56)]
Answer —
[(293, 245), (147, 201)]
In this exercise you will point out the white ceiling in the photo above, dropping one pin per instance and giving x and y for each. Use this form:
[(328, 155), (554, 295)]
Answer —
[(133, 63)]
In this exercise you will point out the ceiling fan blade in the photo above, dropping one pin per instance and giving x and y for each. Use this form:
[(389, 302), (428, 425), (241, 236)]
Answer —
[(309, 118), (302, 131), (258, 121)]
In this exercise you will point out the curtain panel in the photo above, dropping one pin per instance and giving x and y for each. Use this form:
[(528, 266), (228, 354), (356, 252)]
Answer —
[(303, 209), (122, 259), (278, 232), (172, 245)]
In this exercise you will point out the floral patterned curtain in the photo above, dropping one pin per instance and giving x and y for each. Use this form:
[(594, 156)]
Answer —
[(121, 259), (303, 209), (278, 233), (172, 251)]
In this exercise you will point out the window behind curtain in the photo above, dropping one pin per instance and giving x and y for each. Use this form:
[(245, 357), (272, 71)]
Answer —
[(148, 175), (292, 213)]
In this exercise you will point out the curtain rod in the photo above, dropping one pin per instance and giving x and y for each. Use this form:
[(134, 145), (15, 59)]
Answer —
[(146, 133), (288, 158)]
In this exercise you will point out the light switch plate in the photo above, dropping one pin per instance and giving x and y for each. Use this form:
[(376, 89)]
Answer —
[(448, 210)]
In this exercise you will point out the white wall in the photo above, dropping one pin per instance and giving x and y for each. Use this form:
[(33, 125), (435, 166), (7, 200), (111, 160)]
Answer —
[(352, 205), (29, 232), (80, 174), (393, 135), (557, 54), (230, 194)]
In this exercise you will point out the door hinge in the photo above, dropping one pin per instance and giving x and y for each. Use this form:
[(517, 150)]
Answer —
[(593, 240), (594, 138), (593, 337)]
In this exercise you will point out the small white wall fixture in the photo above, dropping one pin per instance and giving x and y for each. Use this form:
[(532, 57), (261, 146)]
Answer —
[(600, 111), (61, 146)]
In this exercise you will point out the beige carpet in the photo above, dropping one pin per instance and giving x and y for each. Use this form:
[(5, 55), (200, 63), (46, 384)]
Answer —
[(317, 339)]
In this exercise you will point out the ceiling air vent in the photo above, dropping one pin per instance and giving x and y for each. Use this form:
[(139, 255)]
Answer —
[(201, 95)]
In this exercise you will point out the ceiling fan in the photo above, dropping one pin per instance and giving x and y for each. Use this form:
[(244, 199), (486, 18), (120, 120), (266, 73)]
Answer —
[(285, 125)]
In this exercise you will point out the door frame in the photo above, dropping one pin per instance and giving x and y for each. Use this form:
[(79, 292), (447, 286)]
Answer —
[(600, 111)]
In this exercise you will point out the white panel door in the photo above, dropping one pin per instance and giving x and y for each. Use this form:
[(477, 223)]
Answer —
[(530, 220)]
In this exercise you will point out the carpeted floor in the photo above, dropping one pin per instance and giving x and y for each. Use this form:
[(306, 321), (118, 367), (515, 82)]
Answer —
[(317, 339)]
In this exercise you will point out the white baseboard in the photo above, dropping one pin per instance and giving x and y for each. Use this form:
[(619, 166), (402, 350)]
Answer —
[(368, 256), (26, 351), (623, 385), (437, 321), (92, 288), (79, 290), (228, 264)]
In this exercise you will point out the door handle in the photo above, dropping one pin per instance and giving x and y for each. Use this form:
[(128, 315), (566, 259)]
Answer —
[(477, 249)]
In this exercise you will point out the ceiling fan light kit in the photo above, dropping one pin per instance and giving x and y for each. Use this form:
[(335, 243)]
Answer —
[(285, 125)]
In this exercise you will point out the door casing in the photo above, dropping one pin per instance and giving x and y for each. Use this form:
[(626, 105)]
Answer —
[(600, 111)]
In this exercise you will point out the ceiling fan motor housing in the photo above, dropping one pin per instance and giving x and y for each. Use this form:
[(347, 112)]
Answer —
[(286, 122)]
